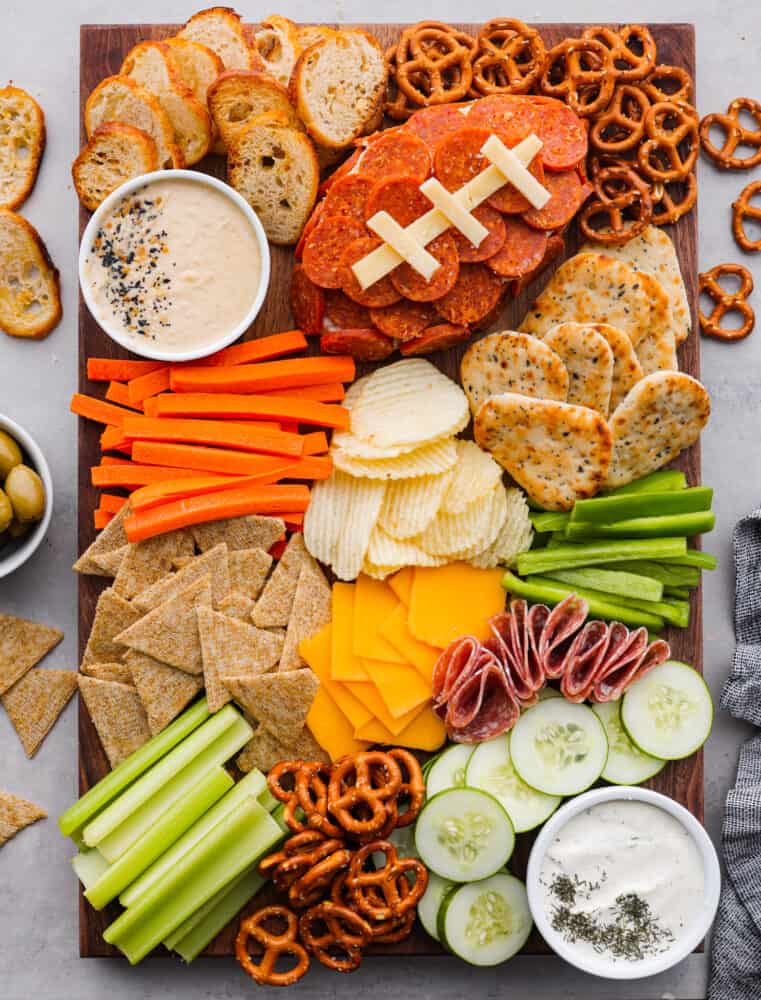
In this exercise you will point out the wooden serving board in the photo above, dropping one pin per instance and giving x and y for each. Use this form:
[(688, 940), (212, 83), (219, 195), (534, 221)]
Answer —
[(102, 49)]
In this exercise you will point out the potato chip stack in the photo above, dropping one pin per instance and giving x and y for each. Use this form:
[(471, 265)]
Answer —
[(405, 491)]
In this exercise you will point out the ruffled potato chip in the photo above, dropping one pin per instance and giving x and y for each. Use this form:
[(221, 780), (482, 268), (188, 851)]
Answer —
[(410, 505)]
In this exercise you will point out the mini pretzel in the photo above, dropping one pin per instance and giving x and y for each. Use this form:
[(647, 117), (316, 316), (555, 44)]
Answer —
[(299, 853), (360, 787), (673, 199), (511, 57), (742, 210), (619, 190), (412, 787), (309, 794), (274, 945), (311, 886), (622, 125), (376, 893), (656, 89), (726, 301), (667, 125), (433, 64), (629, 66), (580, 72), (384, 931), (346, 932), (735, 135)]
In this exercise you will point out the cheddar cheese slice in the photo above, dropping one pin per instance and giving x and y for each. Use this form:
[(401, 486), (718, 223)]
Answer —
[(419, 654), (374, 601), (331, 728), (450, 601), (344, 665), (425, 732), (401, 583), (400, 686), (370, 697), (316, 652)]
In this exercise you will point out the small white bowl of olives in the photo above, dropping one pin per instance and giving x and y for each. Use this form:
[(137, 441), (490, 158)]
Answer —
[(26, 496)]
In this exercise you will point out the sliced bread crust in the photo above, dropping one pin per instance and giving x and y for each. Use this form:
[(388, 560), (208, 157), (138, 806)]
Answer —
[(221, 30), (196, 64), (277, 43), (30, 287), (115, 153), (238, 96), (22, 142)]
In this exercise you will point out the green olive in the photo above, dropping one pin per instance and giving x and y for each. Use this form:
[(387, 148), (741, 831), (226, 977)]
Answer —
[(26, 494), (6, 512), (10, 454), (16, 529)]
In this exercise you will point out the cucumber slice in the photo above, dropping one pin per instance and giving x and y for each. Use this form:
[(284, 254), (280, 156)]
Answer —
[(428, 907), (559, 747), (549, 692), (490, 768), (486, 922), (448, 770), (464, 834), (669, 712), (627, 765)]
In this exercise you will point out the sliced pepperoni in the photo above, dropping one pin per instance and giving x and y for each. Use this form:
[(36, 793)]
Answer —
[(475, 294), (555, 248), (509, 199), (348, 196), (324, 247), (564, 138), (401, 197), (309, 226), (432, 124), (364, 345), (403, 320), (458, 157), (567, 195), (521, 252), (412, 285), (501, 112), (343, 312), (399, 153), (307, 302), (346, 167), (489, 217), (381, 293), (435, 338)]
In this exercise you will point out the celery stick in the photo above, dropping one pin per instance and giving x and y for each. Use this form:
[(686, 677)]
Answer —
[(164, 832), (668, 575), (599, 553), (655, 482), (89, 866), (682, 593), (540, 589), (147, 785), (203, 911), (233, 846), (267, 799), (114, 783), (251, 786), (607, 510), (216, 917), (611, 582), (693, 557), (141, 820), (668, 526), (551, 521)]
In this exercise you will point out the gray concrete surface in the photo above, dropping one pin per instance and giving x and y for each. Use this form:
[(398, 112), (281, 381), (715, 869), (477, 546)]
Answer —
[(38, 910)]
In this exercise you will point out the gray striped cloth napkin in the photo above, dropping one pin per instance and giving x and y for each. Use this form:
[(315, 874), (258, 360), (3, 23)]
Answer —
[(736, 948)]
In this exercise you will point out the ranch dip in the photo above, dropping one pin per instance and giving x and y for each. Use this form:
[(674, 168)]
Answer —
[(174, 265), (622, 881)]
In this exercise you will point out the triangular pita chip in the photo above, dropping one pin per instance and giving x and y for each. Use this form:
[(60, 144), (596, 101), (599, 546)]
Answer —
[(118, 715), (112, 615), (279, 701), (311, 610), (237, 606), (149, 561), (249, 532), (264, 750), (22, 645), (111, 561), (248, 571), (15, 814), (111, 537), (34, 703), (108, 672), (164, 690), (273, 609), (214, 563), (169, 633), (231, 647)]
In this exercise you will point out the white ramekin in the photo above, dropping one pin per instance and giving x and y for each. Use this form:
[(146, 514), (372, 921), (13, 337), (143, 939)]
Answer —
[(15, 552), (602, 967), (156, 353)]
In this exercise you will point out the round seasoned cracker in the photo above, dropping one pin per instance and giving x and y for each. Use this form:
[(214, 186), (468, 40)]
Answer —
[(657, 352), (589, 361)]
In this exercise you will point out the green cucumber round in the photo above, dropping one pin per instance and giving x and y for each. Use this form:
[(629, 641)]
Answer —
[(430, 901), (485, 923), (668, 713), (626, 764), (448, 770)]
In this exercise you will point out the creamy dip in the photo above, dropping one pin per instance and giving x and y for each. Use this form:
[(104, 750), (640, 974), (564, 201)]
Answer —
[(622, 881), (175, 265)]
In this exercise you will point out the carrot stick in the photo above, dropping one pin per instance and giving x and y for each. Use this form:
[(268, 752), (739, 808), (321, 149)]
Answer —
[(269, 468), (259, 350), (111, 502), (132, 475), (313, 467), (119, 369), (177, 489), (152, 384), (118, 392), (214, 507), (97, 410), (114, 460), (290, 427), (329, 392), (293, 521), (112, 439), (101, 518), (217, 404), (268, 375), (213, 432), (314, 443)]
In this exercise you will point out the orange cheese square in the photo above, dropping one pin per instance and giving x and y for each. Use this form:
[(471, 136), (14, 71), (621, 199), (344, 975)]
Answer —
[(401, 583), (400, 686), (425, 732), (374, 601), (331, 728), (450, 601), (316, 652), (344, 665), (419, 654), (370, 697)]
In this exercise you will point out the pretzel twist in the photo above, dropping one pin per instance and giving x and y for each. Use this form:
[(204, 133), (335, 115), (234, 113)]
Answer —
[(580, 72), (623, 200), (657, 85), (672, 200), (726, 301), (628, 65), (345, 932), (274, 947), (510, 57), (431, 64), (360, 787), (742, 210), (308, 795), (735, 135), (412, 787), (621, 126), (310, 887), (668, 125), (377, 893)]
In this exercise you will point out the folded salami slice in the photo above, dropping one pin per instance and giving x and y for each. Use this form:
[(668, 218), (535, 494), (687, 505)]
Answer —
[(509, 643), (563, 623), (536, 619), (483, 706), (634, 660), (582, 662), (455, 664)]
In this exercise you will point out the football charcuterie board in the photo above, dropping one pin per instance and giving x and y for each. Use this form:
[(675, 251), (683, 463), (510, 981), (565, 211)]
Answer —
[(102, 49)]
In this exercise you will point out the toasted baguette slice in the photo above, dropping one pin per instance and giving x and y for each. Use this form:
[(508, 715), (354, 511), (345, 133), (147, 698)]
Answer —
[(196, 64), (239, 95), (337, 87), (277, 43), (30, 288), (310, 34), (221, 30), (115, 154), (22, 141), (150, 64), (273, 165), (122, 99)]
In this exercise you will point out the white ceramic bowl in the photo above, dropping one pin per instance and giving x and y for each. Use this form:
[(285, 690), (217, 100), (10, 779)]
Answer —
[(684, 945), (155, 353), (15, 552)]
